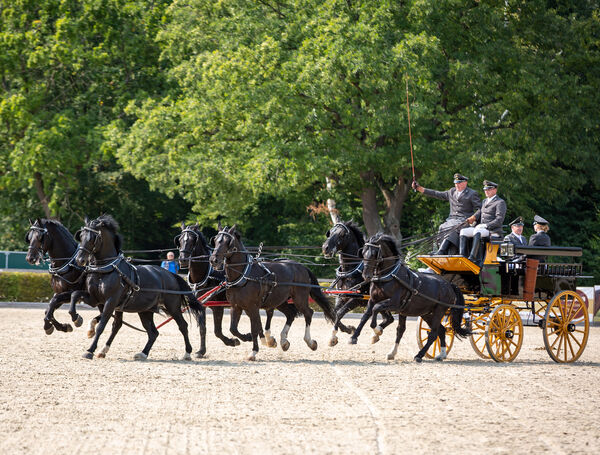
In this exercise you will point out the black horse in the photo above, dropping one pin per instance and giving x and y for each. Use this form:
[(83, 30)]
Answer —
[(254, 285), (193, 255), (145, 289), (347, 240), (67, 278), (394, 287)]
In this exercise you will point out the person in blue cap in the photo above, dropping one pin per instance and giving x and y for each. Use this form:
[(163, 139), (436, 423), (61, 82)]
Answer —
[(464, 202)]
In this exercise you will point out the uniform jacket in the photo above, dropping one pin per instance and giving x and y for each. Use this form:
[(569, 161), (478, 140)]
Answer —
[(539, 239), (492, 214), (461, 207), (512, 238)]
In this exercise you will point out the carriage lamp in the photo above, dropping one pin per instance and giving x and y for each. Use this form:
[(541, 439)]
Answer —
[(507, 249)]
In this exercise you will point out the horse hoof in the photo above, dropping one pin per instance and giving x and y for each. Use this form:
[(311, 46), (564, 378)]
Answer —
[(186, 356), (68, 328), (91, 333), (88, 355), (272, 342), (200, 354), (49, 330), (313, 345), (236, 342), (285, 345), (140, 356), (252, 356), (333, 341), (391, 356), (418, 359), (378, 331), (78, 322), (438, 358), (352, 341), (374, 339), (101, 355)]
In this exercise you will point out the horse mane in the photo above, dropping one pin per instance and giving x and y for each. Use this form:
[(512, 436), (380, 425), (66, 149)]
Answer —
[(356, 230), (390, 241), (196, 229), (111, 224), (61, 227)]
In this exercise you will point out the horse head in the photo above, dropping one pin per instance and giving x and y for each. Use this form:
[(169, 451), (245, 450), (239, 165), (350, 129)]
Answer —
[(378, 253), (191, 243), (344, 237), (227, 242), (98, 238), (38, 240)]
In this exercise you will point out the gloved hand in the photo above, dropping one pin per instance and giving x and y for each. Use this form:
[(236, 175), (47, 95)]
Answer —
[(415, 185), (471, 219)]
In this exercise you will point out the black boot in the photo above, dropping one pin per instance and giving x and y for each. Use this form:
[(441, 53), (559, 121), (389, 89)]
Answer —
[(474, 256), (446, 244), (462, 248)]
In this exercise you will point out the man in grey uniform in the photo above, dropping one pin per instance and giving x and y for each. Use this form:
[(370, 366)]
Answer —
[(464, 202), (516, 237), (489, 221)]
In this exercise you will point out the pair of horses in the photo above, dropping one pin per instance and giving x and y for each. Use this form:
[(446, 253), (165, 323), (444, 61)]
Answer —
[(97, 273)]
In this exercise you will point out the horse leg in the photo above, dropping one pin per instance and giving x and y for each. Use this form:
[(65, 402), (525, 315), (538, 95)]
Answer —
[(256, 328), (94, 322), (147, 318), (308, 313), (290, 314), (76, 297), (236, 313), (399, 332), (388, 318), (434, 321), (269, 340), (218, 322), (50, 323), (341, 310), (183, 328), (116, 325), (107, 312), (365, 317)]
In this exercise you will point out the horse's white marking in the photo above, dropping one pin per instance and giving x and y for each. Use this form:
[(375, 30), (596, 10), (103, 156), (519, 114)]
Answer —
[(392, 354), (267, 334), (252, 355), (105, 349), (378, 330), (263, 341), (186, 356), (140, 356), (284, 333), (442, 355), (375, 413)]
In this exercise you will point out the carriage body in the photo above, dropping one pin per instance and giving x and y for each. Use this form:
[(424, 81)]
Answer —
[(510, 287)]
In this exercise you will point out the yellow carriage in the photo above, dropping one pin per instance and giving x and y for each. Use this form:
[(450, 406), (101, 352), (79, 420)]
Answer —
[(510, 287)]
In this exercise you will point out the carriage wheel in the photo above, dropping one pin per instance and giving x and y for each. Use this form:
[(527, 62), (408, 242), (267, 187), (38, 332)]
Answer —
[(566, 327), (504, 334), (423, 332), (478, 324)]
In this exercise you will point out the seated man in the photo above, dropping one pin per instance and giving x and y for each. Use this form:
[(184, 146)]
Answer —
[(516, 237), (463, 200), (489, 221)]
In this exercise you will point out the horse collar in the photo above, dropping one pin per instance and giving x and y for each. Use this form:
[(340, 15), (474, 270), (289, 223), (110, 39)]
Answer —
[(206, 278), (243, 278), (340, 274), (391, 274)]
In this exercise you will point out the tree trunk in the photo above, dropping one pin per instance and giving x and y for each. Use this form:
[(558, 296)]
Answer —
[(39, 188)]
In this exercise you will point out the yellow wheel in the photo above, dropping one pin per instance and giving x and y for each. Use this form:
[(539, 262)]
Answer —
[(423, 332), (566, 327), (504, 334), (478, 323)]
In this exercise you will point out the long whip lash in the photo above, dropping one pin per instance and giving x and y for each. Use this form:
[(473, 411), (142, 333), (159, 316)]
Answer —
[(412, 161)]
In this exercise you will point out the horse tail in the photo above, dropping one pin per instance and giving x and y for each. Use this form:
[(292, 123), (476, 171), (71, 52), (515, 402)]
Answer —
[(195, 307), (456, 314), (317, 294)]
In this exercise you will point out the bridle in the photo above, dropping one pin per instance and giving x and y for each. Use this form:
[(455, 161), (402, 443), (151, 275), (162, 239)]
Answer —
[(97, 240), (42, 248)]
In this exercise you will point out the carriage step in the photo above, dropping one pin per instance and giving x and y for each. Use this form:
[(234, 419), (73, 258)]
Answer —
[(449, 263)]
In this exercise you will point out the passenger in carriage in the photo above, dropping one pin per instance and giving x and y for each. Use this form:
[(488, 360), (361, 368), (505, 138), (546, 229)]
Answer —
[(488, 221), (463, 201), (541, 237), (516, 237)]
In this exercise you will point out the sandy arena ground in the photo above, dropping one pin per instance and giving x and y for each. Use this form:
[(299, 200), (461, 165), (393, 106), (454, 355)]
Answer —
[(346, 399)]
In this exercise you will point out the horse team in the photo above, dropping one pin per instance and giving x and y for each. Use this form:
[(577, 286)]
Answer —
[(90, 268)]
